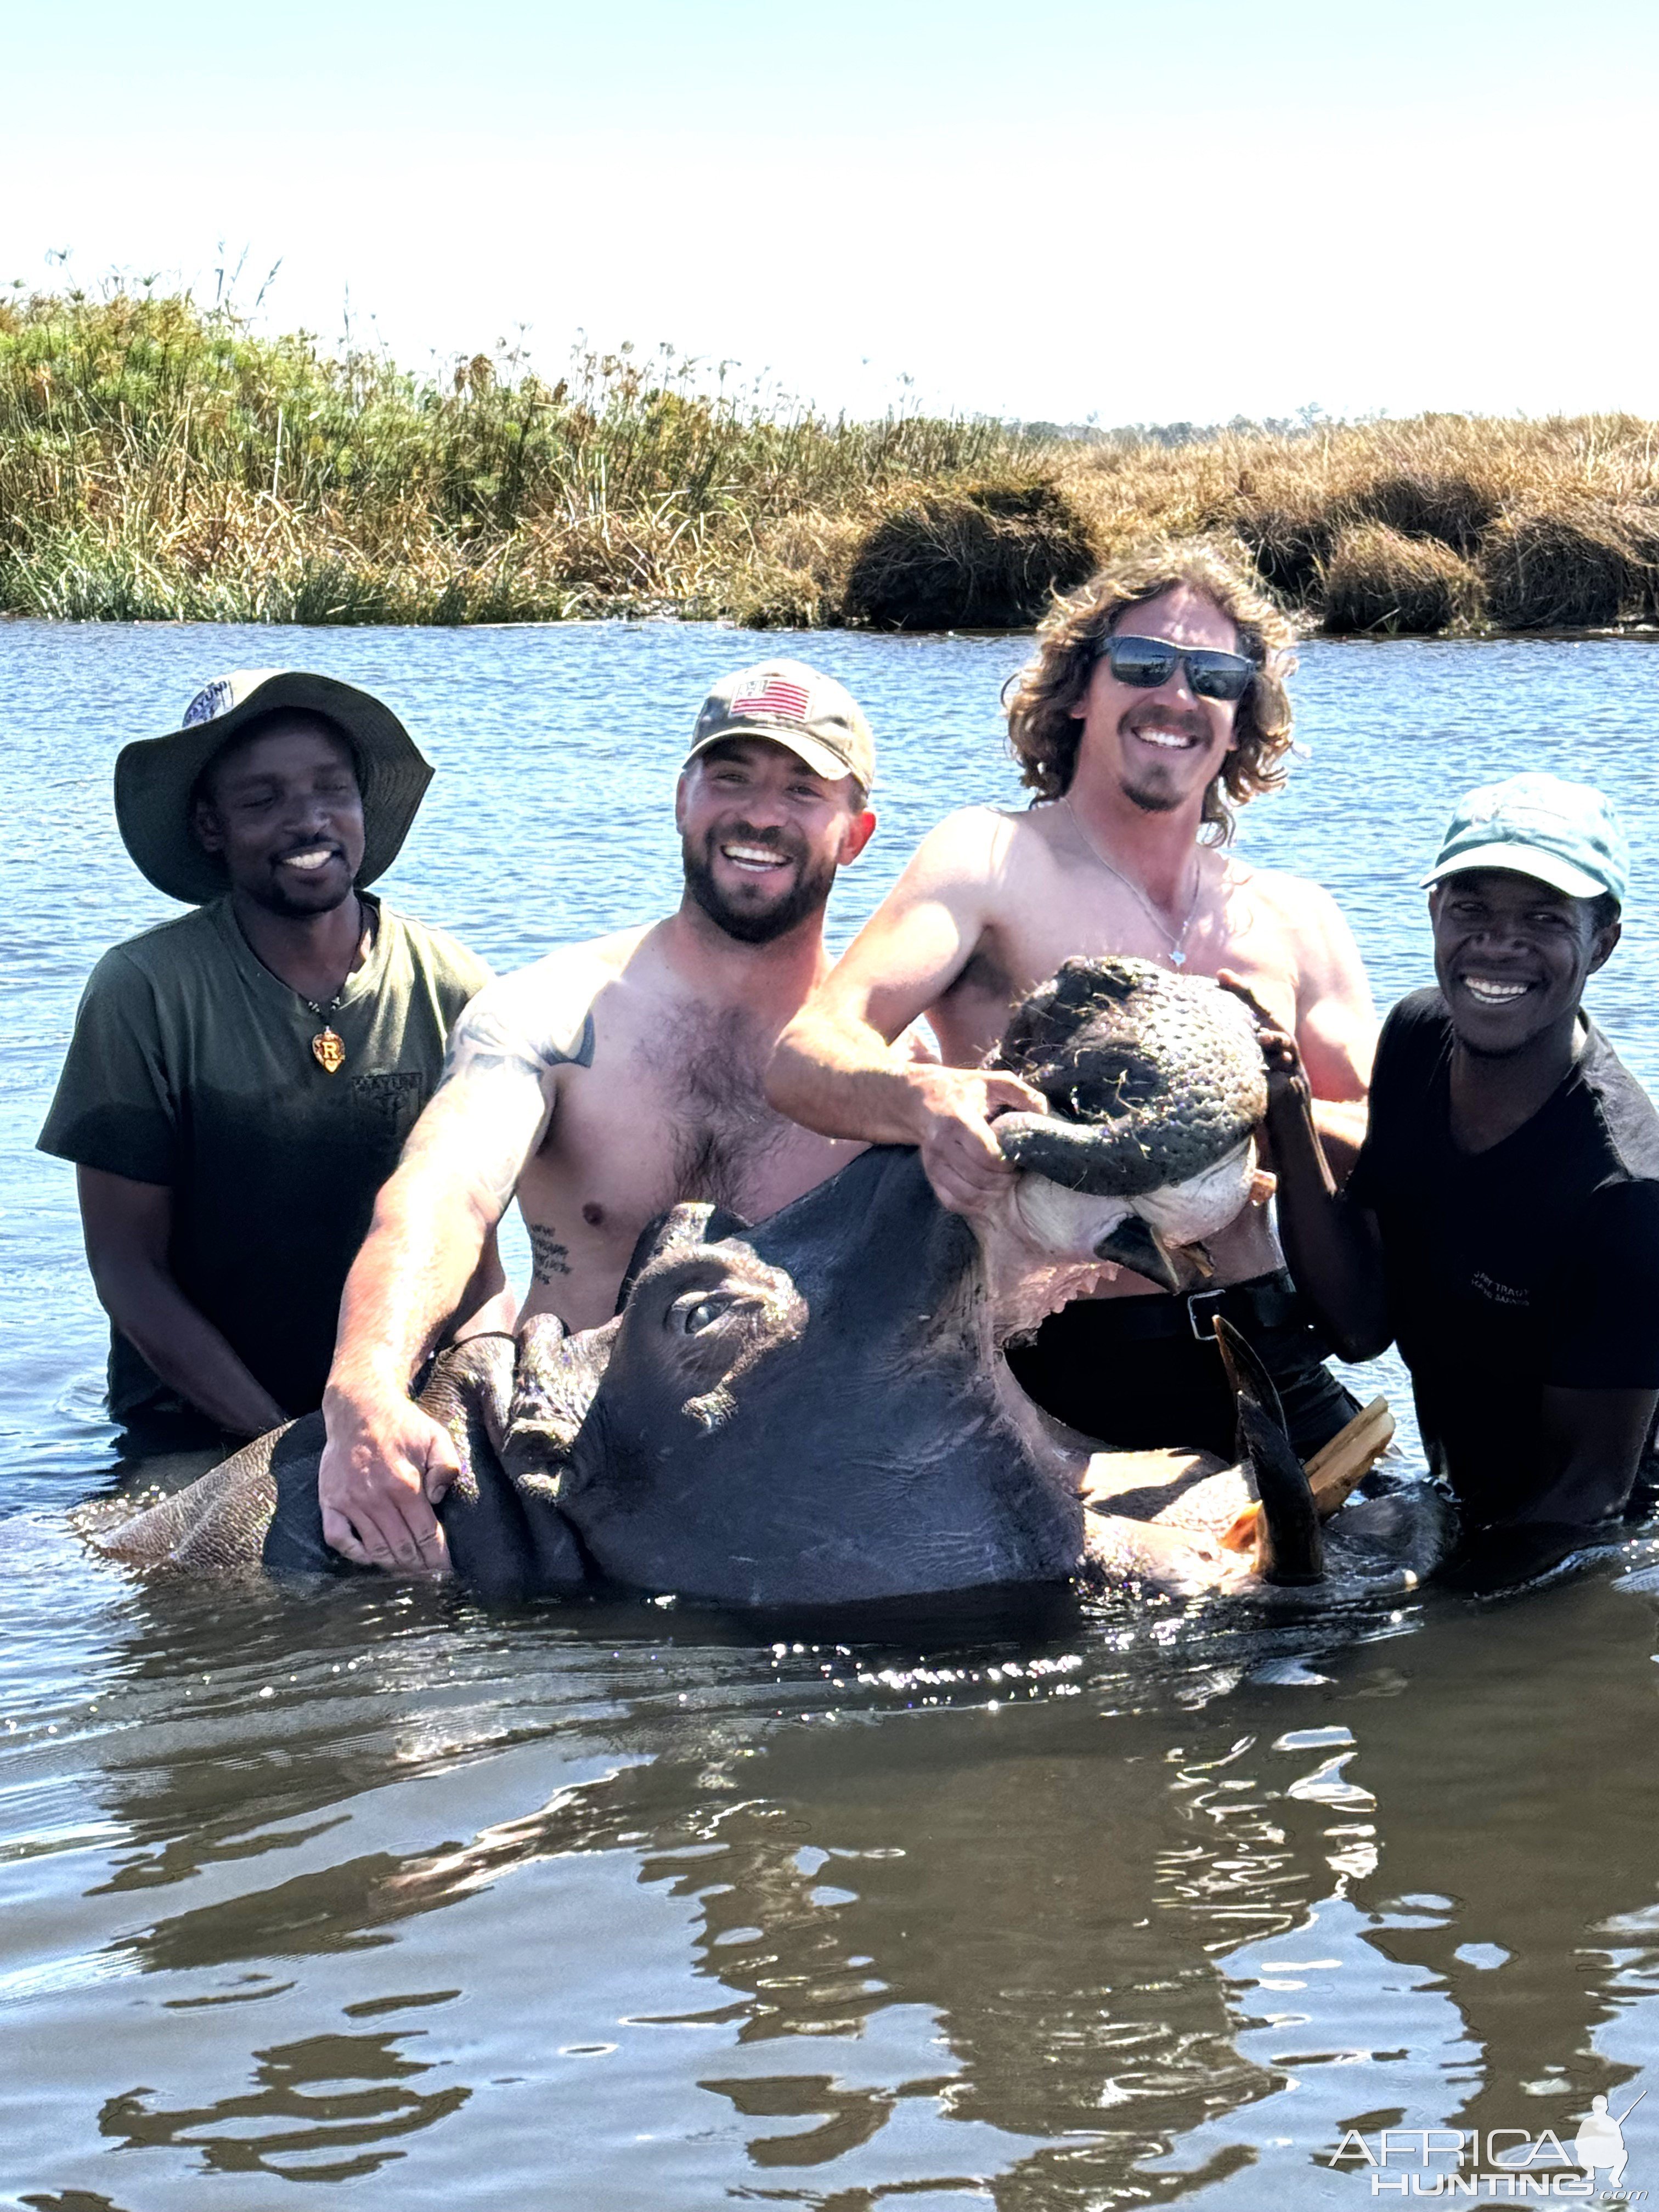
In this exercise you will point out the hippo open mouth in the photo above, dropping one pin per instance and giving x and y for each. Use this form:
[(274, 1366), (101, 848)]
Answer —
[(1155, 1085), (817, 1410)]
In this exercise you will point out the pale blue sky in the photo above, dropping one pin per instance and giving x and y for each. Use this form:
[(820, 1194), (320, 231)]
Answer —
[(1191, 210)]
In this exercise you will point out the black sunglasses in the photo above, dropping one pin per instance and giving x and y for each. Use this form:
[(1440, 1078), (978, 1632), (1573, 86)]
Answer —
[(1147, 662)]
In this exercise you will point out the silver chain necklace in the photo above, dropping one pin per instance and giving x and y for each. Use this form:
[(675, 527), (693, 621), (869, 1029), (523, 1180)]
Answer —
[(1177, 937)]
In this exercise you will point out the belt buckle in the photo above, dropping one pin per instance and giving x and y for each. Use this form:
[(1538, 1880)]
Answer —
[(1194, 1300)]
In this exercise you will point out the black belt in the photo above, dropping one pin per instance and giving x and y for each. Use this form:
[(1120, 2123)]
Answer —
[(1265, 1302)]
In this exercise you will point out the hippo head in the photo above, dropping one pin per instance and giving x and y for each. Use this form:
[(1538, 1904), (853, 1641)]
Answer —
[(1154, 1082), (816, 1411)]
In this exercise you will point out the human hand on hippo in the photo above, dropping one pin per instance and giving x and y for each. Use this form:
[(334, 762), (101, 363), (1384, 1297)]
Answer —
[(966, 1166), (1287, 1078), (385, 1467)]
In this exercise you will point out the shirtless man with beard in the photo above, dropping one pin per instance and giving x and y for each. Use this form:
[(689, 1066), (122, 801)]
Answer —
[(602, 1084), (1156, 704)]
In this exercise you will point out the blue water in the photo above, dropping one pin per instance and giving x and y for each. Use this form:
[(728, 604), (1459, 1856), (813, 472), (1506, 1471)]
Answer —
[(373, 1892)]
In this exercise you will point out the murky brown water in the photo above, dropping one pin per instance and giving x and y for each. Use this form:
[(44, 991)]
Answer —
[(370, 1890)]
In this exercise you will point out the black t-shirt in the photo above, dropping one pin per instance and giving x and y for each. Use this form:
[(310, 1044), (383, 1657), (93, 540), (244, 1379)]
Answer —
[(1533, 1263)]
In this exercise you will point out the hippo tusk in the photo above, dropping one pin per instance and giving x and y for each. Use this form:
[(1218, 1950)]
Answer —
[(1289, 1549), (1135, 1245), (1334, 1472)]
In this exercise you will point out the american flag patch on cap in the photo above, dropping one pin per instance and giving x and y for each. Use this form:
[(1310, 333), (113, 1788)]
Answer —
[(777, 695)]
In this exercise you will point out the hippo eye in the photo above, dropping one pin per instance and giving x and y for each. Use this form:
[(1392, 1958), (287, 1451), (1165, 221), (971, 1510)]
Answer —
[(700, 1309)]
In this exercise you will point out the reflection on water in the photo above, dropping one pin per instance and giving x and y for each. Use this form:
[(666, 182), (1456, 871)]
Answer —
[(1087, 1905)]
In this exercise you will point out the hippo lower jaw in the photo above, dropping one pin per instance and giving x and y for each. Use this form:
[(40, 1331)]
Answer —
[(1181, 1546)]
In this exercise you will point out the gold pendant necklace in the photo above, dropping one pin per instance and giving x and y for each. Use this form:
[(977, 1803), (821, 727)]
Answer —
[(1177, 937), (327, 1048)]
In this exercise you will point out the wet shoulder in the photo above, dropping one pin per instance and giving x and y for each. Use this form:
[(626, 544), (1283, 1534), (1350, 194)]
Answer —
[(543, 1014)]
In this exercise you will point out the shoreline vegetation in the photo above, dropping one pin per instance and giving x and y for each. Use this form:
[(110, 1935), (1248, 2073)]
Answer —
[(161, 461)]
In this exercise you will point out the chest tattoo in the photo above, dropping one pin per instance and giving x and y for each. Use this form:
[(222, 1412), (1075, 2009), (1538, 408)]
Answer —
[(549, 1259)]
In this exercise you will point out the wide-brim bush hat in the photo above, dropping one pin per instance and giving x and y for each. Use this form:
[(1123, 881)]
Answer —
[(156, 778)]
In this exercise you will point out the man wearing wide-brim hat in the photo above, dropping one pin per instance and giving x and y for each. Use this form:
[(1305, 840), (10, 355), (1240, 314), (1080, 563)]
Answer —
[(241, 1078)]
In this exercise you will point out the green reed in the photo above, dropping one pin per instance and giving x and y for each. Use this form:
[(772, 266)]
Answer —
[(160, 460)]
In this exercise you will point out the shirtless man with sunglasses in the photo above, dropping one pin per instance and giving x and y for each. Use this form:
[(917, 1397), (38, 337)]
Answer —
[(1155, 704)]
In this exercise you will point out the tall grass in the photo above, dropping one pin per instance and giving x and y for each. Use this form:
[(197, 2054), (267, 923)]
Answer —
[(161, 460)]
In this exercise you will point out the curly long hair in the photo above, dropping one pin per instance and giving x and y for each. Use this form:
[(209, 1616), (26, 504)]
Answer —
[(1044, 732)]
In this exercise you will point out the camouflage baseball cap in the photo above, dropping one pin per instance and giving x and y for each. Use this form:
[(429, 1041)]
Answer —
[(793, 705)]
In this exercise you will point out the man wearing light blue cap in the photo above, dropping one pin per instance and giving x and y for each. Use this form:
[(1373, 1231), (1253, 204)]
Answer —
[(1501, 1223)]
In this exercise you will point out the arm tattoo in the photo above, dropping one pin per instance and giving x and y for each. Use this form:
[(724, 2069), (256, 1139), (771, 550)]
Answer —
[(548, 1257), (510, 1062), (484, 1043)]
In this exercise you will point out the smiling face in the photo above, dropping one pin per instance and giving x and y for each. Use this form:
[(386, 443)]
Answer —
[(282, 810), (1512, 956), (1163, 747), (763, 836)]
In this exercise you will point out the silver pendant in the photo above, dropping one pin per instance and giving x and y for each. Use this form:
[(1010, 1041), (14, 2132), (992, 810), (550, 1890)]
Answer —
[(1178, 957)]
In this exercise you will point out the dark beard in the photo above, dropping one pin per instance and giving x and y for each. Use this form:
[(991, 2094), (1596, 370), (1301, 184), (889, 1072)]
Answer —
[(809, 896), (274, 900)]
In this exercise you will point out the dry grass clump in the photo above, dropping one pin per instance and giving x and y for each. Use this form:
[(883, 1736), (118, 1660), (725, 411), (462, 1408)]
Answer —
[(988, 557), (1379, 579), (1555, 523), (1576, 567)]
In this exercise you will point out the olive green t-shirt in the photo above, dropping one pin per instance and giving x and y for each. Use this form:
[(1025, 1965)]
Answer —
[(191, 1065)]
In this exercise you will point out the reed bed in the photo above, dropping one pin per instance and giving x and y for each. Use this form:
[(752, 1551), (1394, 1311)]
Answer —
[(158, 461)]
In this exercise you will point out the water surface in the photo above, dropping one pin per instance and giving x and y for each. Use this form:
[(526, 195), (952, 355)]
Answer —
[(373, 1891)]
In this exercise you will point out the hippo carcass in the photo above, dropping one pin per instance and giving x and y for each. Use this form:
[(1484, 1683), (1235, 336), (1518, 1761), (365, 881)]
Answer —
[(817, 1410)]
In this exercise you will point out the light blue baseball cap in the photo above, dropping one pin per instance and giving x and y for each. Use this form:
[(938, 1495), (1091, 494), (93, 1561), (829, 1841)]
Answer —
[(1561, 834)]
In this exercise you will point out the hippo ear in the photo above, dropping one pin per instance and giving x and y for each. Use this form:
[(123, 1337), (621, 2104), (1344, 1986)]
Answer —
[(683, 1227)]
